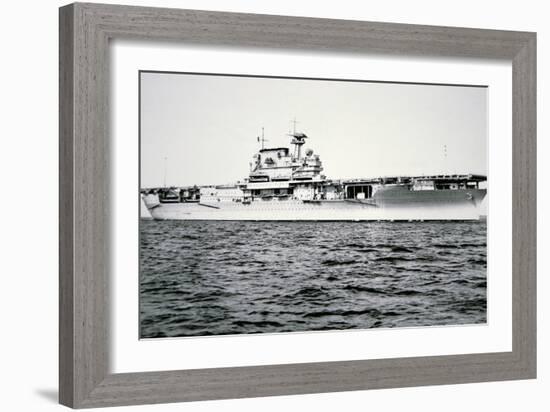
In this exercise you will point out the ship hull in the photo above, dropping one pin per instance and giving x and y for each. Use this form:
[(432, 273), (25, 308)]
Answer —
[(395, 203)]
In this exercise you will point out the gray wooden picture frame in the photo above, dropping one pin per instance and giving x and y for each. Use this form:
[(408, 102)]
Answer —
[(85, 31)]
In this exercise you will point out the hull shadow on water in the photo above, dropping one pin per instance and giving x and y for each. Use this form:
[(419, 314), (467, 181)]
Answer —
[(224, 278)]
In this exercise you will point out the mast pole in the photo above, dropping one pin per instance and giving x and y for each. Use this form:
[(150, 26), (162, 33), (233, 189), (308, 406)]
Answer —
[(445, 158), (293, 134), (165, 160)]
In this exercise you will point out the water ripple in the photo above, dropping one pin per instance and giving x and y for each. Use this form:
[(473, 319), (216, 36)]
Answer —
[(218, 278)]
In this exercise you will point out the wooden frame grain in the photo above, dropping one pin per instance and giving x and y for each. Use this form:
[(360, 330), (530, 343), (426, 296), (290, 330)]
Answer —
[(85, 31)]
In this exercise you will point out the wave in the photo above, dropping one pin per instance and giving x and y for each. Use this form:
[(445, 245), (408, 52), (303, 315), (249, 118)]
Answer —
[(259, 324), (399, 249), (335, 262), (357, 288), (323, 313), (458, 245)]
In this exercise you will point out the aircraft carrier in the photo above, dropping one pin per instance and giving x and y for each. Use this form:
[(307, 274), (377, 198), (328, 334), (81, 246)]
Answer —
[(288, 185)]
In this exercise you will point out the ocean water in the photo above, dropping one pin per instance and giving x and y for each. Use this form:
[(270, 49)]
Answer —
[(224, 278)]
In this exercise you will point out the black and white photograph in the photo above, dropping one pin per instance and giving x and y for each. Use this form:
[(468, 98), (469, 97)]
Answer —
[(280, 205)]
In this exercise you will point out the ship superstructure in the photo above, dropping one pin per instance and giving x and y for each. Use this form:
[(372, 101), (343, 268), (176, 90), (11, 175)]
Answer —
[(289, 184)]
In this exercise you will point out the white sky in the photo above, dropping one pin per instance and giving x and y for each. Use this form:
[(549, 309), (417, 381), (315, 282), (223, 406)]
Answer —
[(206, 126)]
